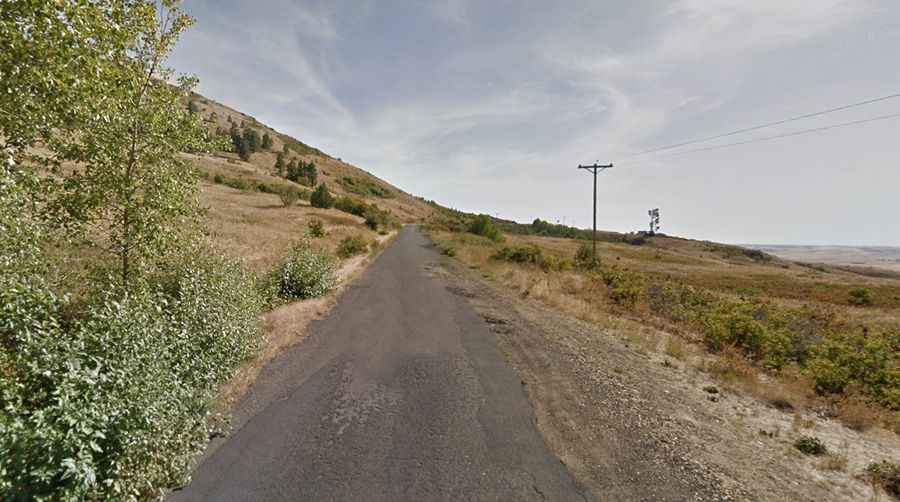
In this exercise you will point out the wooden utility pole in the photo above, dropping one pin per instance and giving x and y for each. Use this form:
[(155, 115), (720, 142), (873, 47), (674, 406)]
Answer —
[(594, 168)]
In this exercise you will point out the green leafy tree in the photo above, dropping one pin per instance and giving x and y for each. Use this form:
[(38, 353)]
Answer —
[(53, 67), (130, 192), (321, 197), (484, 225), (266, 142)]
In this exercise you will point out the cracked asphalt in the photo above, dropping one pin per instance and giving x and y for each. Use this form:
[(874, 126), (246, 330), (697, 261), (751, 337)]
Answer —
[(400, 393)]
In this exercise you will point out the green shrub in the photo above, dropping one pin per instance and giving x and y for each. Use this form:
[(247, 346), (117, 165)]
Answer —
[(734, 328), (864, 358), (625, 288), (860, 296), (351, 205), (237, 183), (885, 474), (351, 246), (218, 179), (584, 257), (377, 218), (483, 225), (111, 402), (307, 273), (289, 196), (316, 228), (364, 187), (321, 197), (810, 445), (520, 254)]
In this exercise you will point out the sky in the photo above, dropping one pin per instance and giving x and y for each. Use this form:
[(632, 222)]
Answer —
[(489, 106)]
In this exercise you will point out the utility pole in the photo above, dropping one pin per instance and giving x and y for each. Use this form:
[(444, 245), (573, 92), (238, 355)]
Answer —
[(594, 169)]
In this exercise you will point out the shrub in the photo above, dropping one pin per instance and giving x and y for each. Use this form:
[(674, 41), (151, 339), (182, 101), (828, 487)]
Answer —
[(218, 179), (111, 403), (351, 205), (237, 183), (289, 196), (483, 225), (734, 328), (625, 288), (364, 187), (351, 246), (885, 474), (321, 197), (860, 296), (584, 257), (520, 254), (307, 273), (810, 445), (376, 217), (863, 358), (316, 228)]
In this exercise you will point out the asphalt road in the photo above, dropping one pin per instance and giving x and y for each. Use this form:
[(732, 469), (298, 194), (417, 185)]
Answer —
[(399, 394)]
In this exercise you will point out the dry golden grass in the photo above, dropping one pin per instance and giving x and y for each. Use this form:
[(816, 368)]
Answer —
[(701, 265), (833, 462), (857, 415), (256, 227)]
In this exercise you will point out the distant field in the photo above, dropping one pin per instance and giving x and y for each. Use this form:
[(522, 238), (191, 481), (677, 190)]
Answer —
[(883, 257)]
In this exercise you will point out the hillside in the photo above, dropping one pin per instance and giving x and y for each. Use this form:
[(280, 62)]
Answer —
[(247, 217)]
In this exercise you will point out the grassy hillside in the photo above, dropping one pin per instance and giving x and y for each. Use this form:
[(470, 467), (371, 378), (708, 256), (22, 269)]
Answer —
[(342, 179)]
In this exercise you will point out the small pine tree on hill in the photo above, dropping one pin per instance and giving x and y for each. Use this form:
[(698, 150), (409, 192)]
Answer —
[(279, 164), (266, 142), (321, 197), (240, 145), (251, 138)]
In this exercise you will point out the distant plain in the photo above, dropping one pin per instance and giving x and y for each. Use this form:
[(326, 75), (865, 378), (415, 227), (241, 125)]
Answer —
[(883, 257)]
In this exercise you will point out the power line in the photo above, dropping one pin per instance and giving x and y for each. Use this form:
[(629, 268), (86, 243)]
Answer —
[(768, 124), (787, 135)]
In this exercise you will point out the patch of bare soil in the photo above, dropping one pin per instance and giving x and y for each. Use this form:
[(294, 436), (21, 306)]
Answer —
[(632, 424)]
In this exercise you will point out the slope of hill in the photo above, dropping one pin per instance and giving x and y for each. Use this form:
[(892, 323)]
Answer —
[(340, 177)]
